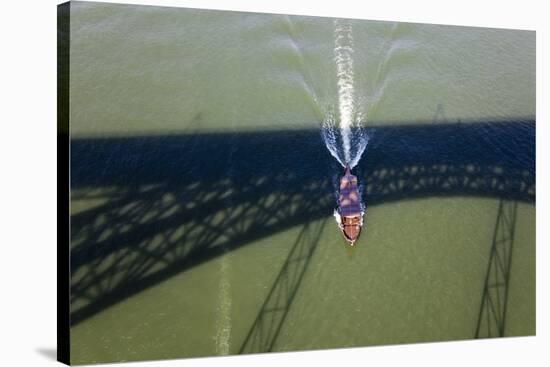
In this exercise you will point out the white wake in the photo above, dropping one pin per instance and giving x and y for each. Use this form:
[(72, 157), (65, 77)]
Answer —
[(223, 322), (343, 131)]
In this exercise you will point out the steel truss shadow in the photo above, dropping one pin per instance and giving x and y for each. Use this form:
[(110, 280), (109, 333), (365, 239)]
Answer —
[(152, 207), (491, 321), (267, 325)]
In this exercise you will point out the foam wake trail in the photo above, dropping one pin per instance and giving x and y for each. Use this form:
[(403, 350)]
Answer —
[(344, 135), (359, 142), (223, 322), (343, 57), (331, 135)]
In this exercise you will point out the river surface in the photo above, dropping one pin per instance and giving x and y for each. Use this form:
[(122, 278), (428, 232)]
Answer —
[(202, 191)]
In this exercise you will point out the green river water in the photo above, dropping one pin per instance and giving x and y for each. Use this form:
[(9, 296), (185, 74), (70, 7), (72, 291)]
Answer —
[(202, 192)]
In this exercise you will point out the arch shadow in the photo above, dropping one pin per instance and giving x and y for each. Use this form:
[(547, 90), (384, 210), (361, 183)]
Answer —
[(159, 205)]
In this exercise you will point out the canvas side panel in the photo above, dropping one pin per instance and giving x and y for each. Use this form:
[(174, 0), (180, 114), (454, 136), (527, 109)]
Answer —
[(63, 194)]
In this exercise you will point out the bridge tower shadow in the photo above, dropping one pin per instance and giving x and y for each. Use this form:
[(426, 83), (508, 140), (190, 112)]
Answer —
[(264, 332), (491, 320)]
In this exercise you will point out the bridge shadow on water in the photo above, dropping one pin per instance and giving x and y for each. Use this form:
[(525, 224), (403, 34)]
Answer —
[(268, 323), (148, 208), (491, 321)]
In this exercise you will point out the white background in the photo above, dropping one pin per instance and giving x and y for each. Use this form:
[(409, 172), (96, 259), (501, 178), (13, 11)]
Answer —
[(28, 182)]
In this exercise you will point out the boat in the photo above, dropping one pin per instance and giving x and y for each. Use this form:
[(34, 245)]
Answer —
[(349, 207)]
